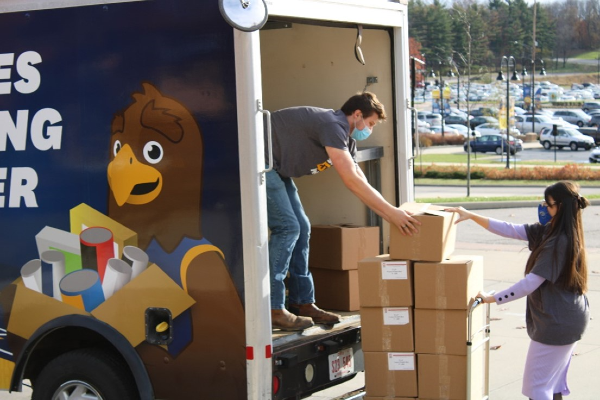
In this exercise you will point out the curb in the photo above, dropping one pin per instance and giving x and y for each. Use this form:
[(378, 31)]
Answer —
[(487, 205)]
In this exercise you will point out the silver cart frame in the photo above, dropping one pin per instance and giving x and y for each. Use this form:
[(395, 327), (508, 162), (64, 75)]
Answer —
[(471, 347)]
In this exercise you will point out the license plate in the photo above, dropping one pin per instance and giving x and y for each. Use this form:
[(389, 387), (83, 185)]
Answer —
[(341, 364)]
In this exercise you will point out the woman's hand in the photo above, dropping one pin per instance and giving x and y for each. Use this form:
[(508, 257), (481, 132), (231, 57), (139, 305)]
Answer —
[(486, 298), (463, 214)]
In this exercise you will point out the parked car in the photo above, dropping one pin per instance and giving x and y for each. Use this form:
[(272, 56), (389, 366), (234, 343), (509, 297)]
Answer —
[(594, 133), (595, 155), (566, 137), (494, 128), (456, 119), (463, 130), (434, 118), (577, 117), (595, 121), (590, 105), (525, 123), (494, 143), (476, 121), (447, 130), (485, 111)]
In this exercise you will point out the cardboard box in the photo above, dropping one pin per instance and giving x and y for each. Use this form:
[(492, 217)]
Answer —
[(444, 377), (390, 374), (445, 331), (340, 247), (449, 284), (336, 290), (387, 329), (384, 282), (436, 238)]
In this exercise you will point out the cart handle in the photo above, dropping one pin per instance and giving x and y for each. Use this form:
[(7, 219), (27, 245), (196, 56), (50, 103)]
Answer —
[(476, 303)]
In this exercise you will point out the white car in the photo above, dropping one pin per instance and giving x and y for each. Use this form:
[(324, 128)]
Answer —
[(595, 155), (567, 137), (494, 128), (447, 130), (525, 123), (463, 130)]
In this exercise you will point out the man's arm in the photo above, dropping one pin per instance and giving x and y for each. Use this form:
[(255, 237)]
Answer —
[(355, 180)]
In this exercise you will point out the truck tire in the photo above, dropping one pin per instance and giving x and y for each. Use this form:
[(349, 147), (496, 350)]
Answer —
[(547, 145), (95, 374), (573, 146)]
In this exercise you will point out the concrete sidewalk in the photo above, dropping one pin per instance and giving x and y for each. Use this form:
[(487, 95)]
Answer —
[(504, 261)]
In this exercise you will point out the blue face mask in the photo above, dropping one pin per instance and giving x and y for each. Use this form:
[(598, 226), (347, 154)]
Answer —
[(361, 134), (543, 214)]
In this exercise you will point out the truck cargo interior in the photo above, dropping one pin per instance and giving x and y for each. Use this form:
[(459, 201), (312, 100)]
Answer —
[(315, 65)]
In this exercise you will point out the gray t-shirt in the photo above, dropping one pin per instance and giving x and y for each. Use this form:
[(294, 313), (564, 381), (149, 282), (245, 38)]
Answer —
[(300, 135), (554, 315)]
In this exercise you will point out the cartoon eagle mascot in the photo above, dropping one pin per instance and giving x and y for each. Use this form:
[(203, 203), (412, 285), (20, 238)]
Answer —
[(155, 177)]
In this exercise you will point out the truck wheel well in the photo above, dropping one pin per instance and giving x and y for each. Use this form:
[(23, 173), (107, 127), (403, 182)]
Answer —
[(69, 332), (61, 341)]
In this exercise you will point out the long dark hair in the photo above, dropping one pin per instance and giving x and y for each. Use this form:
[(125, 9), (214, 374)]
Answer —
[(567, 221)]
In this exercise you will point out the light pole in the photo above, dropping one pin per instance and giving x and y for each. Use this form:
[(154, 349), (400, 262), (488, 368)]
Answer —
[(515, 77), (542, 73), (441, 89)]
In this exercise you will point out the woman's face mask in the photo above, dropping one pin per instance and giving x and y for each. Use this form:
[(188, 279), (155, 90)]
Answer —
[(361, 134), (543, 215)]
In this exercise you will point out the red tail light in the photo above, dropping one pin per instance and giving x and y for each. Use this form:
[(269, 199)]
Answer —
[(276, 384)]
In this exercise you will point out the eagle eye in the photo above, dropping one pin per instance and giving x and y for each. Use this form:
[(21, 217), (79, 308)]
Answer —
[(153, 152), (116, 147)]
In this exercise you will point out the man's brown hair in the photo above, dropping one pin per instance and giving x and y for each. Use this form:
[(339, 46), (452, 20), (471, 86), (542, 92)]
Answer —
[(367, 103)]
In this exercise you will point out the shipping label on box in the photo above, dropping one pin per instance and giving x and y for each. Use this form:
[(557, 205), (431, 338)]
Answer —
[(436, 239), (341, 247), (385, 282), (401, 361), (387, 329), (449, 284), (390, 374)]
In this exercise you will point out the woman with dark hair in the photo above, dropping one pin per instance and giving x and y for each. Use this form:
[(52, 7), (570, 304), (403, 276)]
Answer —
[(555, 284)]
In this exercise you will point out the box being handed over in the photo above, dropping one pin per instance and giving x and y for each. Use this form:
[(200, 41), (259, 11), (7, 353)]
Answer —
[(436, 238)]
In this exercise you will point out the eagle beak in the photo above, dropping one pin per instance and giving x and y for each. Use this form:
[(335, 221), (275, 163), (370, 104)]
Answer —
[(132, 181)]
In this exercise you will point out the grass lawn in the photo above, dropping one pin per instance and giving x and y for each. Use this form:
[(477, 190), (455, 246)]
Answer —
[(481, 159), (590, 55), (437, 200), (488, 182)]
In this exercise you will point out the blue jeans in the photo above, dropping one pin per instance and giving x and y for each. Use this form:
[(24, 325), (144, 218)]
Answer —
[(288, 244)]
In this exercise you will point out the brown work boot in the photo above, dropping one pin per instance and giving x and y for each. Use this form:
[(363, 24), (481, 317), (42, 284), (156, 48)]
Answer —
[(286, 321), (318, 316)]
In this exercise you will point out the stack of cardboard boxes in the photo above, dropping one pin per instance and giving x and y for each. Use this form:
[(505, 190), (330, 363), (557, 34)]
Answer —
[(414, 309), (335, 251)]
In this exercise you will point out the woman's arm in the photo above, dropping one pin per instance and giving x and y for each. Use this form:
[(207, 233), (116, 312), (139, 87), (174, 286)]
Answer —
[(501, 228), (520, 289)]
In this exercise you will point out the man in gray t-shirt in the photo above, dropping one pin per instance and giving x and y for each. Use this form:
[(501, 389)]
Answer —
[(308, 140)]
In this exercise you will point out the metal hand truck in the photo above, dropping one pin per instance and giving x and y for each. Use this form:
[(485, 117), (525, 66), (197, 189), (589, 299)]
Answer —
[(471, 347)]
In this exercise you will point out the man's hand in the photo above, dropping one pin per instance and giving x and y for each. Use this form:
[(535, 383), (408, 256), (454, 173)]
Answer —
[(405, 222)]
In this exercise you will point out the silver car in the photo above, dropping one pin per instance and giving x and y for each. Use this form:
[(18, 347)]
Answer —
[(575, 116), (567, 137)]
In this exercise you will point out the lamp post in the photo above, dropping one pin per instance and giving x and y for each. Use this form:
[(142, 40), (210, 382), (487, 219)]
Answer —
[(542, 73), (441, 89), (515, 77)]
